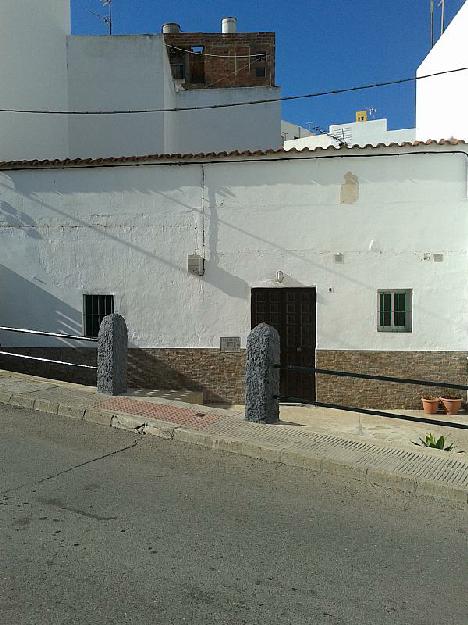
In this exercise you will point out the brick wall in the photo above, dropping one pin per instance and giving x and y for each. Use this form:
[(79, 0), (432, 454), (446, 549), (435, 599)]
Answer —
[(225, 72), (219, 375), (438, 366), (82, 356)]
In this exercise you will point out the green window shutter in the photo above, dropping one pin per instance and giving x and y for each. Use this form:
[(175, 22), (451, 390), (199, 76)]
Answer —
[(399, 309), (385, 309)]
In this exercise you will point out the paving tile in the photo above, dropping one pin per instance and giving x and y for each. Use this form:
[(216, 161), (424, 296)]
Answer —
[(163, 412)]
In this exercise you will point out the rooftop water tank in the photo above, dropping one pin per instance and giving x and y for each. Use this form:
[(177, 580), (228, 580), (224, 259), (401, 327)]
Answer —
[(170, 28), (229, 25)]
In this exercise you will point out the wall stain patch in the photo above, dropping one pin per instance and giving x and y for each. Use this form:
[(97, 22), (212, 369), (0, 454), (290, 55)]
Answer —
[(349, 189)]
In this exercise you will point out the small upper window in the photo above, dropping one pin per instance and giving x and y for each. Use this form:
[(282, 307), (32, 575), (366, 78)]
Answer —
[(259, 64), (394, 310), (178, 71), (197, 65), (95, 308)]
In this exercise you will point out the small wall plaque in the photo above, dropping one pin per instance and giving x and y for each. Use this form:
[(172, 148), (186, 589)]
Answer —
[(230, 344)]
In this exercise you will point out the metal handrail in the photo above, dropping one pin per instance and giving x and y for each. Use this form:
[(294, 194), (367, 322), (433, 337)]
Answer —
[(57, 362), (368, 376), (72, 337)]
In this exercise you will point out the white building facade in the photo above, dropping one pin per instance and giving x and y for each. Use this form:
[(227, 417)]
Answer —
[(373, 239), (442, 101), (360, 133), (290, 131), (45, 69), (33, 75)]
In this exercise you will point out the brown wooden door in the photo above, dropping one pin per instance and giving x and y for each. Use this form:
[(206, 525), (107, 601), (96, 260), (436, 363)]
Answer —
[(292, 311)]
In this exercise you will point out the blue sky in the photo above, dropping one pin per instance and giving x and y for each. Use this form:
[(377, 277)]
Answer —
[(321, 44)]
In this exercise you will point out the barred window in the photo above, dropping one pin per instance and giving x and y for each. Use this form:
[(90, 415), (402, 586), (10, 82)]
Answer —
[(95, 308)]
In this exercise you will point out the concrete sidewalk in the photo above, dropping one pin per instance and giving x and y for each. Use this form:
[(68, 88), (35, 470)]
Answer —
[(388, 463)]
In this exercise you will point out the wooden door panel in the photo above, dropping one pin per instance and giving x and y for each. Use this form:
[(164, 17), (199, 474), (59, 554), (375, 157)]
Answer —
[(292, 311)]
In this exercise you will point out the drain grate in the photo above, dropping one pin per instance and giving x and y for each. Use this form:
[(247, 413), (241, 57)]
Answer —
[(406, 463)]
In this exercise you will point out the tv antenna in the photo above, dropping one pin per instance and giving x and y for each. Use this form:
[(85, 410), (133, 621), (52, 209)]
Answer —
[(441, 5), (105, 19), (442, 16)]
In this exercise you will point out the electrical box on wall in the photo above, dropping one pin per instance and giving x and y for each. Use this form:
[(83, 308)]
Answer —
[(230, 344), (196, 264)]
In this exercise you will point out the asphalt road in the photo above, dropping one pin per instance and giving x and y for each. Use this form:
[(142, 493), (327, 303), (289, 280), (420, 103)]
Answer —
[(163, 533)]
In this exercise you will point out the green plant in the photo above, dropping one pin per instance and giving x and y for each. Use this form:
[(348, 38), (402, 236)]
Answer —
[(436, 443)]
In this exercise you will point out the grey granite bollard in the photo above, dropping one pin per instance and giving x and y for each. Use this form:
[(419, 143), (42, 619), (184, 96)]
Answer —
[(112, 355), (262, 380)]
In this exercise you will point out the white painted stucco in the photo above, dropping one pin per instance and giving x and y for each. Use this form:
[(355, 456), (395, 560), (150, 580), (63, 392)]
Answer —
[(118, 73), (290, 131), (371, 132), (133, 73), (33, 75), (238, 128), (442, 101), (128, 231), (45, 68)]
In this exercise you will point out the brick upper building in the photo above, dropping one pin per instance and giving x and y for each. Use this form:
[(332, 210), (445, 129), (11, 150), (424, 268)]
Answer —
[(220, 60)]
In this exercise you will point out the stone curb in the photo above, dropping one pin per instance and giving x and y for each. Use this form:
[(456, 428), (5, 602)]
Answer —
[(288, 455), (285, 454)]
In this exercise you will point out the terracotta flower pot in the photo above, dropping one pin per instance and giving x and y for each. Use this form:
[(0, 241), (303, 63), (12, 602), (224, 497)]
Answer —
[(430, 405), (451, 405)]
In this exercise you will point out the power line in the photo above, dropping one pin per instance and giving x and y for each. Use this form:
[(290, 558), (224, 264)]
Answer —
[(217, 56), (288, 98)]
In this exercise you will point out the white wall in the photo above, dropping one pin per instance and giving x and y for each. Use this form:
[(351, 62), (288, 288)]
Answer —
[(238, 128), (372, 132), (133, 72), (442, 101), (42, 68), (310, 143), (33, 75), (291, 131), (128, 231), (117, 73)]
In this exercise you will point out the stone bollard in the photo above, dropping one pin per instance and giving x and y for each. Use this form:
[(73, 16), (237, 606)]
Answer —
[(112, 356), (262, 380)]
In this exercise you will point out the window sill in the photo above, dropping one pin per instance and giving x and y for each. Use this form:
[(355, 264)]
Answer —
[(393, 330)]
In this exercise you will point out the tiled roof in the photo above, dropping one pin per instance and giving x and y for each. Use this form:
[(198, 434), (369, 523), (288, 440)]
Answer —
[(210, 156)]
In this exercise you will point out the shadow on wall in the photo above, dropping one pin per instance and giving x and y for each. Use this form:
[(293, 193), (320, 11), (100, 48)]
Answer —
[(228, 282), (111, 181), (11, 217), (24, 304), (220, 376)]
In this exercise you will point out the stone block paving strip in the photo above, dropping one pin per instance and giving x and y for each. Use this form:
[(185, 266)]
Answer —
[(424, 472), (162, 412), (447, 470)]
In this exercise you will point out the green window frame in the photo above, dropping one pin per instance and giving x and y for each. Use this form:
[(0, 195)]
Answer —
[(95, 308), (394, 310)]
